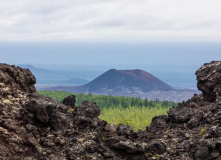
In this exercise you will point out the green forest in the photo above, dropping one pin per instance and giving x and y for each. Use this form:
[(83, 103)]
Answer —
[(132, 111)]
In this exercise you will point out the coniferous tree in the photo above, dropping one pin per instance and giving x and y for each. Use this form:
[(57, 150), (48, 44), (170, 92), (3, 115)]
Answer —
[(145, 102)]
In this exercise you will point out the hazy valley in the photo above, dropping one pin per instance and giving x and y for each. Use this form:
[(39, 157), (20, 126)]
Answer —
[(130, 83)]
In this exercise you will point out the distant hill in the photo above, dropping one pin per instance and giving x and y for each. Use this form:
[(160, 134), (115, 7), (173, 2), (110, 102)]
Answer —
[(77, 81), (55, 77), (126, 80), (130, 83)]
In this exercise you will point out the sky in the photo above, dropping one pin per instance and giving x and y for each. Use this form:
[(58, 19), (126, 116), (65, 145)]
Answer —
[(110, 20), (110, 32)]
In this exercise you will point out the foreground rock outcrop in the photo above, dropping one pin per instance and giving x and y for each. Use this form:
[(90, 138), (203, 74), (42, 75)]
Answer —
[(37, 127)]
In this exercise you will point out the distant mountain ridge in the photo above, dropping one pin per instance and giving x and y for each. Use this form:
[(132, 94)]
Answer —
[(54, 77)]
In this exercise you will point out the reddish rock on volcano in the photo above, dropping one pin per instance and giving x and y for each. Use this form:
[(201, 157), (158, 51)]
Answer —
[(131, 80)]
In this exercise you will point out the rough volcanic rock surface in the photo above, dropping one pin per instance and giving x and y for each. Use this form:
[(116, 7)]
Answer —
[(209, 80), (17, 77), (70, 101), (37, 127)]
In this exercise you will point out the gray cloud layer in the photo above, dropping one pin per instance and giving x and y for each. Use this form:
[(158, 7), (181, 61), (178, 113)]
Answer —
[(110, 20)]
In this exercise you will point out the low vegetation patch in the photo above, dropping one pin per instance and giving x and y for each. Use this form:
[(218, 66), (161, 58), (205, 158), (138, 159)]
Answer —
[(203, 131), (137, 117)]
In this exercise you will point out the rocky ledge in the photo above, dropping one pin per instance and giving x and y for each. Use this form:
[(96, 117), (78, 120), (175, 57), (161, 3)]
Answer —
[(35, 127)]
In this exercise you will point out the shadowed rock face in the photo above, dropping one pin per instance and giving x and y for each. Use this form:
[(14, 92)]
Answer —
[(33, 126), (70, 101), (17, 77), (209, 80)]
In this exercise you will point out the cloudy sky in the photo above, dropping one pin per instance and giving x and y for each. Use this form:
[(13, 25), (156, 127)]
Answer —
[(136, 21), (117, 33)]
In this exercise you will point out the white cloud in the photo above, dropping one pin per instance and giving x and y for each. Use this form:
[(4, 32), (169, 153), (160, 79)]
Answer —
[(110, 20)]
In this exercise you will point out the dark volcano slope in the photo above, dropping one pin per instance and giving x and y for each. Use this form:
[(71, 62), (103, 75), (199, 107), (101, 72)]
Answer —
[(38, 128), (126, 79)]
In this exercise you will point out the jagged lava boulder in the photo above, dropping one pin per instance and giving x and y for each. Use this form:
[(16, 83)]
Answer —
[(209, 80), (69, 101), (36, 127)]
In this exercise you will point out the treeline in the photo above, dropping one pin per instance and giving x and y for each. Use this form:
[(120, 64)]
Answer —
[(104, 101)]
